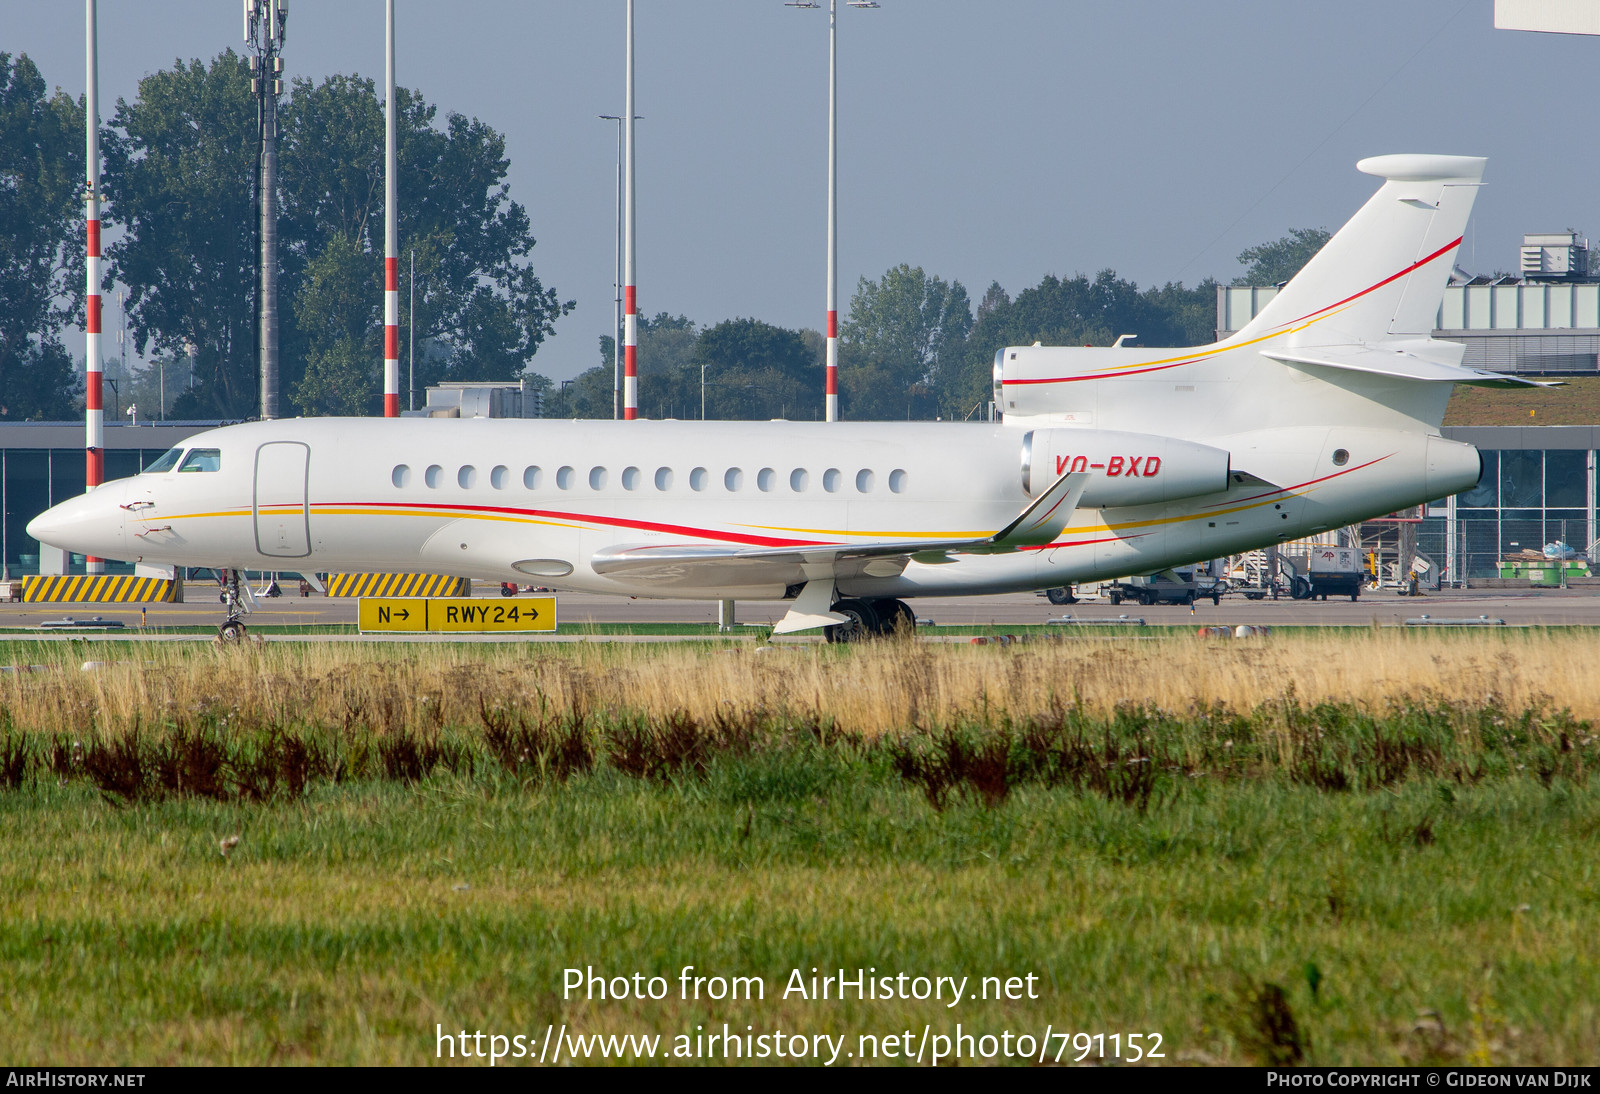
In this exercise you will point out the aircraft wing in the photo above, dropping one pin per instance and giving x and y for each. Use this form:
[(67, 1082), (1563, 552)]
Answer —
[(1400, 363), (704, 565)]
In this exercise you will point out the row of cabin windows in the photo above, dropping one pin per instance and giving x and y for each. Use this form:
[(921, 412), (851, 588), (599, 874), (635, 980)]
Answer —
[(733, 479)]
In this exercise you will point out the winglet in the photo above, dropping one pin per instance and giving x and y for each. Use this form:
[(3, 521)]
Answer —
[(1044, 520)]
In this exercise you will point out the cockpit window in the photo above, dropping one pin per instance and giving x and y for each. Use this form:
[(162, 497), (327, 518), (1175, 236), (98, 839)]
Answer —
[(168, 460), (203, 459)]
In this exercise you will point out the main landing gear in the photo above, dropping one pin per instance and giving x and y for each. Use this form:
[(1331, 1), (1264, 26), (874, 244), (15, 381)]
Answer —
[(881, 618), (236, 599)]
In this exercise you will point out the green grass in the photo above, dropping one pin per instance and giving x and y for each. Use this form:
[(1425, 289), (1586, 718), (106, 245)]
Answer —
[(1438, 908)]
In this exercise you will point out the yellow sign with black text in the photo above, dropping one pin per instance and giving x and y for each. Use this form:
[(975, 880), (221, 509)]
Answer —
[(461, 615)]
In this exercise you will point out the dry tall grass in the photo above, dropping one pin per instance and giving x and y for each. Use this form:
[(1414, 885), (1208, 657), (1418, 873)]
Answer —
[(868, 689)]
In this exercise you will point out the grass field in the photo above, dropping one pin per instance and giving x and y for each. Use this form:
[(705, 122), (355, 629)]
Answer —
[(1365, 848), (1577, 402)]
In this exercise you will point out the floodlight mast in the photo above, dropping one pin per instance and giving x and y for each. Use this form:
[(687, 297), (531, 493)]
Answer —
[(391, 230), (831, 407), (616, 285), (630, 290), (263, 31), (93, 399)]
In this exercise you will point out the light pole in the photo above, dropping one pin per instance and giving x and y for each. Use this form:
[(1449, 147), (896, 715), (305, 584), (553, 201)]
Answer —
[(832, 397), (391, 228), (630, 289), (616, 313), (263, 34)]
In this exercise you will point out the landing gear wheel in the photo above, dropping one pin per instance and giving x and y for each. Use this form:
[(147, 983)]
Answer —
[(235, 597), (863, 622), (1060, 596), (895, 619)]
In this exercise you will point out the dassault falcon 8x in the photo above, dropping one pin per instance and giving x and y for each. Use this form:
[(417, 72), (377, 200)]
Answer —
[(1323, 411)]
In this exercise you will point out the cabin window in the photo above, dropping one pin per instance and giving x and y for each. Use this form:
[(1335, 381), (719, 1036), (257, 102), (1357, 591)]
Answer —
[(401, 475), (897, 481), (467, 477), (698, 478), (663, 478), (202, 459), (597, 478), (630, 478), (799, 480), (830, 480), (733, 479), (864, 481), (766, 479), (432, 476), (498, 478), (565, 477), (531, 477), (169, 460)]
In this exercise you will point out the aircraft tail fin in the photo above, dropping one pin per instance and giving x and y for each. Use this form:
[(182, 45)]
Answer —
[(1382, 276)]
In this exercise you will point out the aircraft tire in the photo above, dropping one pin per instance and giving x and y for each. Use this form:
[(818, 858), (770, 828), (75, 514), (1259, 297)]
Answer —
[(863, 622), (231, 632), (1060, 596), (895, 619)]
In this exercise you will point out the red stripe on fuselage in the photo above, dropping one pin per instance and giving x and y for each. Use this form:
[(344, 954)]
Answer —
[(1297, 486), (587, 518)]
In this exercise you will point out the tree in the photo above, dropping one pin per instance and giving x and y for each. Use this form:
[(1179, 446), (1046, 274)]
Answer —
[(41, 245), (666, 347), (337, 307), (900, 350), (1276, 262), (756, 371), (181, 172), (179, 164)]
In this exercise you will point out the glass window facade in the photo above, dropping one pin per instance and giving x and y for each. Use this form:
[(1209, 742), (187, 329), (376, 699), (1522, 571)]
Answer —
[(34, 479), (1524, 499)]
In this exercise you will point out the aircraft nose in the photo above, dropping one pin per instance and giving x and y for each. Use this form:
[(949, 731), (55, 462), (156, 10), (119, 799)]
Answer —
[(89, 524)]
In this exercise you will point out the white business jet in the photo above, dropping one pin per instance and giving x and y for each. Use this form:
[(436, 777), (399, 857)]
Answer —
[(1323, 411)]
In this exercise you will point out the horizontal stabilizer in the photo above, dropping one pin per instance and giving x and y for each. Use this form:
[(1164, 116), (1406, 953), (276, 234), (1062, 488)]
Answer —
[(1400, 363), (701, 565)]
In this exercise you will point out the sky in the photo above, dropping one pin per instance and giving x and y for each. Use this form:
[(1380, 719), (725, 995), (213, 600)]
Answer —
[(994, 141)]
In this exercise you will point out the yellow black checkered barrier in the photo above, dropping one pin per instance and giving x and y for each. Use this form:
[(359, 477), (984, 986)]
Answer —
[(397, 585), (100, 588)]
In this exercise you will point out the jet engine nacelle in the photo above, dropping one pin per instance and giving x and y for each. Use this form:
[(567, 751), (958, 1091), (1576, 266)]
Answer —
[(1124, 468)]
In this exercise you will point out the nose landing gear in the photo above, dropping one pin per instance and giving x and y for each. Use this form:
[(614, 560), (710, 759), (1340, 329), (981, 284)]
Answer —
[(238, 601)]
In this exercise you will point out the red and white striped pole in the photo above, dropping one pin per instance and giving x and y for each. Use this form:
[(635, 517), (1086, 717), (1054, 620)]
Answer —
[(391, 232), (831, 403), (93, 405), (630, 292)]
